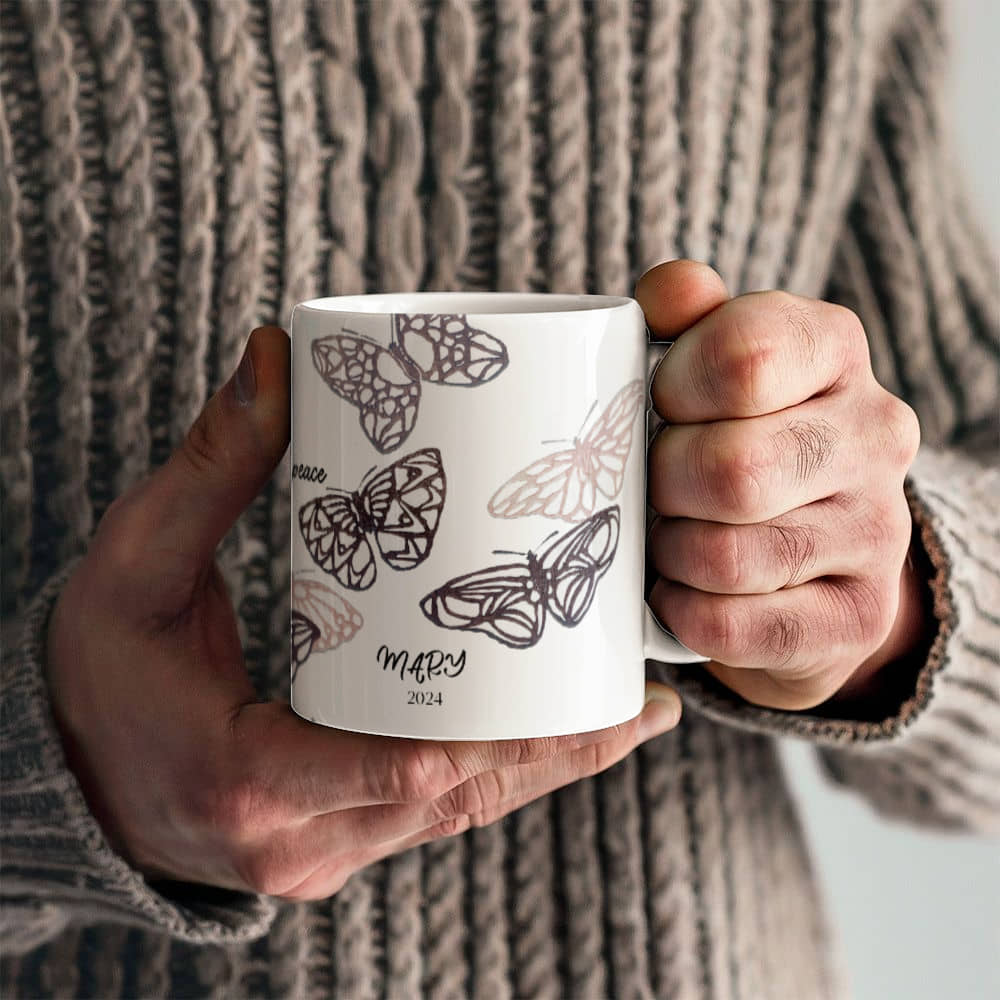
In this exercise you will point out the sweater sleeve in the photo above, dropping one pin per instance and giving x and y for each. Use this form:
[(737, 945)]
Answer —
[(58, 868), (911, 264)]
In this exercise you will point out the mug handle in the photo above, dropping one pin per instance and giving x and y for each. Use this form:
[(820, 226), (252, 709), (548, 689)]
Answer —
[(658, 643)]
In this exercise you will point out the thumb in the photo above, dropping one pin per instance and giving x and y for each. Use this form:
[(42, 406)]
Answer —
[(676, 294), (228, 454)]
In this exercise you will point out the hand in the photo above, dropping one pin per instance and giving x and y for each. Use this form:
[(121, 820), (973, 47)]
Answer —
[(190, 776), (779, 481)]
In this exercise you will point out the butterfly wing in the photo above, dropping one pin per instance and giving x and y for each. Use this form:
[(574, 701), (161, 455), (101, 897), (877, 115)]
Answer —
[(304, 635), (554, 486), (501, 602), (382, 383), (335, 539), (446, 349), (338, 621), (608, 443), (404, 502), (575, 562), (565, 484)]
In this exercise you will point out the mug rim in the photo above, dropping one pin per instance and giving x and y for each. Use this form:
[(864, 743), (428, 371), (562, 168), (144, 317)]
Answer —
[(477, 303)]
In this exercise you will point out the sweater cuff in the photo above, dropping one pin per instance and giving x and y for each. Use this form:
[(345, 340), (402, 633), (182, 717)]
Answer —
[(56, 859), (920, 695)]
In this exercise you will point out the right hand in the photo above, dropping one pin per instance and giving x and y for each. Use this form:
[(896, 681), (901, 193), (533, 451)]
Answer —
[(189, 775)]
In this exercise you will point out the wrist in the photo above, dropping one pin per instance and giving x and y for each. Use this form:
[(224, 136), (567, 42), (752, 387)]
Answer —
[(68, 697)]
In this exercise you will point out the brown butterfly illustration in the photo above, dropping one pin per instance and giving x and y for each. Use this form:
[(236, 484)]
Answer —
[(566, 483), (399, 505), (304, 635), (384, 382), (510, 603)]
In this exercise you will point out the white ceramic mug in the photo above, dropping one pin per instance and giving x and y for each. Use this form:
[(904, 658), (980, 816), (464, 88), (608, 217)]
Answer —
[(468, 514)]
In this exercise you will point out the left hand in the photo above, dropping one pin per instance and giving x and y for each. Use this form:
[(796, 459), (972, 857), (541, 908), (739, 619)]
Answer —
[(784, 529)]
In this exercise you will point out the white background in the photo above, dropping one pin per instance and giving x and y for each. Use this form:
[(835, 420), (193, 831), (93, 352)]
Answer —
[(918, 913)]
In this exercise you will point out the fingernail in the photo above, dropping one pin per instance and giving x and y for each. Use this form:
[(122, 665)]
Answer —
[(245, 381), (661, 713)]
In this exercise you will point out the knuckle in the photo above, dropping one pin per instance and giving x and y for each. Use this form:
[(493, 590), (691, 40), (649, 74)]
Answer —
[(868, 605), (735, 475), (724, 559), (852, 330), (885, 531), (489, 816), (800, 320), (475, 795), (491, 788), (446, 806), (712, 628), (795, 546), (420, 774), (813, 443), (783, 633), (743, 357), (901, 428)]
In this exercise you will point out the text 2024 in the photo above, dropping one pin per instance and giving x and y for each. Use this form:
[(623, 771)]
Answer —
[(424, 698)]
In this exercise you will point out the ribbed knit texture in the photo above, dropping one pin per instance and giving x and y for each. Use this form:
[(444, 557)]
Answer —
[(175, 173)]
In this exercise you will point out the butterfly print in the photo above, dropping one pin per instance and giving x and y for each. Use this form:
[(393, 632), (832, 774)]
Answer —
[(510, 603), (384, 382), (304, 636), (338, 620), (566, 483), (399, 505)]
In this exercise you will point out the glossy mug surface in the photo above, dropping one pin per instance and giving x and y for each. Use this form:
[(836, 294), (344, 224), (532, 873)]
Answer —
[(468, 514)]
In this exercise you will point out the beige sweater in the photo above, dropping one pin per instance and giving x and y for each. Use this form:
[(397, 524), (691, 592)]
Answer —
[(174, 173)]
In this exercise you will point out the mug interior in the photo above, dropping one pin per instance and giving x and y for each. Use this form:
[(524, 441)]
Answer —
[(469, 303)]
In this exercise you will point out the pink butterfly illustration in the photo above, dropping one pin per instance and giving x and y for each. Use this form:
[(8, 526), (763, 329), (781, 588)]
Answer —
[(566, 483), (510, 603), (384, 382), (338, 620), (321, 619)]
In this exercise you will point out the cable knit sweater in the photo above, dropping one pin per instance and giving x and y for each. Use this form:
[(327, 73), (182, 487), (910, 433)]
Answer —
[(175, 173)]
